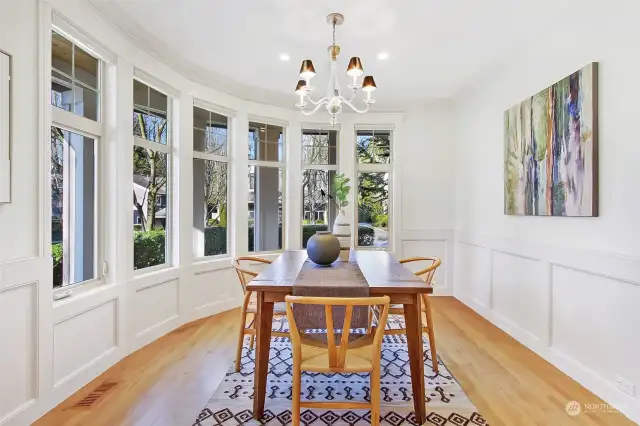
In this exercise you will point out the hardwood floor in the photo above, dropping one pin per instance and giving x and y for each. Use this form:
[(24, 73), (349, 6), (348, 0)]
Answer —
[(168, 382)]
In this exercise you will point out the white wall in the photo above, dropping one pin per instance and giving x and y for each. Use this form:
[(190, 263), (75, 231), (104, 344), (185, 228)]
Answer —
[(51, 349), (426, 156), (569, 288)]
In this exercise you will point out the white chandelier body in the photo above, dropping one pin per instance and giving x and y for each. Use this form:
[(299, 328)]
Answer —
[(333, 101)]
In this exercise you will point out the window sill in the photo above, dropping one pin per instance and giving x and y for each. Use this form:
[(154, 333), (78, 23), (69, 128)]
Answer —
[(153, 270), (81, 291)]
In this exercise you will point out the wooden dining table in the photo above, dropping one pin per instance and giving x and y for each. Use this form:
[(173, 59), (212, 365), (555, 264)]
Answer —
[(384, 275)]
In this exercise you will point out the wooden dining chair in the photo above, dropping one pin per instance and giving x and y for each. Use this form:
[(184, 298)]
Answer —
[(359, 356), (427, 275), (250, 304)]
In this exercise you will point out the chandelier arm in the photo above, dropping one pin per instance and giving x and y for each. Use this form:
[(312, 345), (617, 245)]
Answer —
[(359, 111), (318, 102), (319, 105), (353, 95)]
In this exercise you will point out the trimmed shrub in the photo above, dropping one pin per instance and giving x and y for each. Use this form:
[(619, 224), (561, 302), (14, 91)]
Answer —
[(366, 235), (148, 248), (215, 240)]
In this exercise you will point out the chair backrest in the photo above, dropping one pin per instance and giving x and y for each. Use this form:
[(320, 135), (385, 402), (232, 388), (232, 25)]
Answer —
[(246, 275), (338, 353), (426, 273)]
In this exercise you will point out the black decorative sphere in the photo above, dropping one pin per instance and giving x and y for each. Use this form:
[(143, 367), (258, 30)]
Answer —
[(323, 248)]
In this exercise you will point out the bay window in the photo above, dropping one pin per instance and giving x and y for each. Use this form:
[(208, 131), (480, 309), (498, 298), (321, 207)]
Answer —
[(319, 167), (151, 174), (265, 182), (210, 182), (74, 162), (373, 169)]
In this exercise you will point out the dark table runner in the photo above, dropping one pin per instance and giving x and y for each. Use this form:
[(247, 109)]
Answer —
[(341, 279)]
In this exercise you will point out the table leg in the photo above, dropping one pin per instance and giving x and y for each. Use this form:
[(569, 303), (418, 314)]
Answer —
[(414, 343), (263, 344)]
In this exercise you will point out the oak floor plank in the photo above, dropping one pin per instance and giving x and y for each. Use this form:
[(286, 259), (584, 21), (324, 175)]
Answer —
[(168, 382)]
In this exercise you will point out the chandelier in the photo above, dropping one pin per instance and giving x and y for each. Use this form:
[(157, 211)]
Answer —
[(333, 101)]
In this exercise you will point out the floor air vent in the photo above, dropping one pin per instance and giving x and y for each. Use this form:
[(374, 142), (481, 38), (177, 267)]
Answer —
[(95, 395)]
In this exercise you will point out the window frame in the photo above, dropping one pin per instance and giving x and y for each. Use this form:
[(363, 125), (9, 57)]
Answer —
[(322, 167), (374, 168), (85, 127), (168, 150), (72, 78), (219, 158), (279, 165)]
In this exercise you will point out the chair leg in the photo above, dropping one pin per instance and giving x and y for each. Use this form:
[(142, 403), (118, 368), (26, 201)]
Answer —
[(252, 338), (295, 393), (370, 321), (375, 395), (432, 335), (243, 322)]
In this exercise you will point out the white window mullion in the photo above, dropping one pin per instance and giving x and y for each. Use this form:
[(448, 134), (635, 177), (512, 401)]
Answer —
[(274, 164), (212, 157), (76, 123), (141, 142)]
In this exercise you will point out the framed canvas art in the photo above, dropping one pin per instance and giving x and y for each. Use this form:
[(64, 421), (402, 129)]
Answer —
[(551, 149)]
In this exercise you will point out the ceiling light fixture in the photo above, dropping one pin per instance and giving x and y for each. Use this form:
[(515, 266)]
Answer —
[(383, 55), (334, 100), (284, 57)]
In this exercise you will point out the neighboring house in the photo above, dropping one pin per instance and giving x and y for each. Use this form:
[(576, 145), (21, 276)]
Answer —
[(140, 185)]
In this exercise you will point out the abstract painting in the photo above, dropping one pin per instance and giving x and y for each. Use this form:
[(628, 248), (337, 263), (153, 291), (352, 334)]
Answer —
[(550, 161)]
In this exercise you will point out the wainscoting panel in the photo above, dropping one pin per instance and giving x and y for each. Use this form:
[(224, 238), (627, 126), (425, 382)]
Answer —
[(83, 339), (430, 242), (575, 308), (18, 351), (595, 322), (155, 305), (473, 275), (214, 291), (520, 293)]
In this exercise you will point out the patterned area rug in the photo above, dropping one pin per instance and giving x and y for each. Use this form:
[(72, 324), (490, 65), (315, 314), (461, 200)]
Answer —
[(232, 402)]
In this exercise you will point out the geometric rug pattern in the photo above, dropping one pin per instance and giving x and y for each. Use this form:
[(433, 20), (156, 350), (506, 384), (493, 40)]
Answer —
[(232, 402)]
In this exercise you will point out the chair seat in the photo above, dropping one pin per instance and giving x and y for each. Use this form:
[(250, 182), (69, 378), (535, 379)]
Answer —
[(279, 308), (315, 356)]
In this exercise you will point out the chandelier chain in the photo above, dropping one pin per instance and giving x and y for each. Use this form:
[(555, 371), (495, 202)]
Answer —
[(334, 31)]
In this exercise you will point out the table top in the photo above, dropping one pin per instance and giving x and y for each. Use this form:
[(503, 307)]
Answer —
[(383, 273)]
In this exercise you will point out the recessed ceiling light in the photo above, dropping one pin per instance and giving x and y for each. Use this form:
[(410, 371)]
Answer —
[(383, 55), (284, 57)]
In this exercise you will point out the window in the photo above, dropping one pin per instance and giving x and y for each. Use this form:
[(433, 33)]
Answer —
[(151, 173), (265, 175), (74, 152), (210, 178), (73, 207), (319, 166), (373, 153), (75, 78)]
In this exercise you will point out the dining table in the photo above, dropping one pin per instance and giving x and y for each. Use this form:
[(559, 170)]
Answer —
[(385, 276)]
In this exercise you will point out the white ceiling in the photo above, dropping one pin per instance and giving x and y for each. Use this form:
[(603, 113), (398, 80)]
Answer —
[(435, 46)]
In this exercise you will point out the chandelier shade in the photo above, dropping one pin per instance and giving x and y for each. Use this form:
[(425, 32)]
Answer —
[(307, 70), (355, 67), (335, 99), (368, 84), (301, 87)]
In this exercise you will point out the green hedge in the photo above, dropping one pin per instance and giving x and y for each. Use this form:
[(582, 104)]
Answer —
[(148, 248), (56, 255), (215, 240), (365, 234)]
